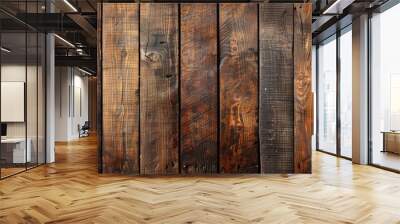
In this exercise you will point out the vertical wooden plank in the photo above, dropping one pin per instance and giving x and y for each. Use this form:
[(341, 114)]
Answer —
[(276, 88), (199, 94), (238, 88), (303, 110), (99, 112), (120, 88), (159, 122)]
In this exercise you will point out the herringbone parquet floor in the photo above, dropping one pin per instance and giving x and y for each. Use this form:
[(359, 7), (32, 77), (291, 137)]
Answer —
[(71, 191)]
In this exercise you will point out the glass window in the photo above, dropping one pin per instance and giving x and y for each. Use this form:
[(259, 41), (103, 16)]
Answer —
[(346, 92), (385, 88), (327, 95), (22, 89)]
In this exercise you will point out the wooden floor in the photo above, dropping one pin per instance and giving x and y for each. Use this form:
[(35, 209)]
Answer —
[(386, 159), (71, 191)]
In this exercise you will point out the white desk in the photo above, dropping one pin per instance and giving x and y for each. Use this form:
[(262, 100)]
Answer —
[(18, 144)]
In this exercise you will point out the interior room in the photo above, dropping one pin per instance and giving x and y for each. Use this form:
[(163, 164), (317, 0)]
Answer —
[(213, 111), (23, 95)]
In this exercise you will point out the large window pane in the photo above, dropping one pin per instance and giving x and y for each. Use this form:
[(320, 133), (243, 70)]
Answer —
[(346, 93), (327, 96), (385, 88)]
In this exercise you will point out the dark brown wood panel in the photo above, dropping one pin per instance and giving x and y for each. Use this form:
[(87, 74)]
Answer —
[(303, 100), (99, 101), (276, 88), (159, 103), (199, 93), (238, 88), (120, 88)]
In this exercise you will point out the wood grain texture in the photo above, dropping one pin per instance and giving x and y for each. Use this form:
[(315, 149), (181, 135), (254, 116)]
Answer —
[(92, 103), (120, 88), (238, 88), (199, 93), (276, 88), (159, 67), (99, 111), (303, 108)]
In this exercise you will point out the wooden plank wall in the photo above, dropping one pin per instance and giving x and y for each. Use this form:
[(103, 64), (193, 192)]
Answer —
[(159, 101), (223, 88), (99, 92), (120, 88), (199, 92), (276, 88), (238, 88), (92, 107), (303, 99)]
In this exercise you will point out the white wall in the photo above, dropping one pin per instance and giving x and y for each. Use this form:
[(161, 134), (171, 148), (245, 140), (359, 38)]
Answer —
[(16, 73), (71, 102)]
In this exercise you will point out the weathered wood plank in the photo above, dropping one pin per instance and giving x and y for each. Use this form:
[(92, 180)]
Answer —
[(303, 100), (238, 88), (199, 94), (120, 88), (99, 101), (159, 106), (276, 88)]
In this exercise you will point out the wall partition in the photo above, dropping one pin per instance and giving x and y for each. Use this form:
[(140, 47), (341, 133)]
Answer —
[(223, 88), (22, 87)]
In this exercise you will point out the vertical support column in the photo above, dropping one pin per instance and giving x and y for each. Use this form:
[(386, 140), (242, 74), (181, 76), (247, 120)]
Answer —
[(360, 90), (50, 98), (50, 92)]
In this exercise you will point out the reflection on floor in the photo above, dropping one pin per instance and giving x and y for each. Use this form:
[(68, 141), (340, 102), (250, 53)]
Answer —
[(386, 159), (71, 191), (346, 152), (10, 171)]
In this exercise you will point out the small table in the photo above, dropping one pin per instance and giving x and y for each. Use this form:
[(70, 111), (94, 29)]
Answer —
[(391, 141), (13, 150)]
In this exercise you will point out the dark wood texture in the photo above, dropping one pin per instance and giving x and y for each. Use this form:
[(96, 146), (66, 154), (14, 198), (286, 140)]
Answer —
[(99, 99), (195, 102), (120, 88), (238, 88), (276, 88), (303, 100), (92, 103), (159, 102), (199, 93)]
